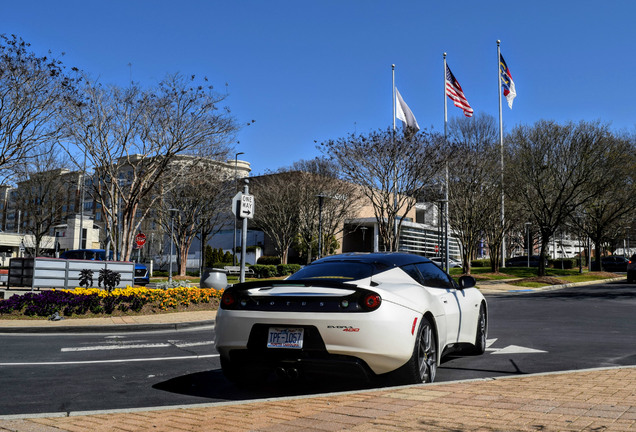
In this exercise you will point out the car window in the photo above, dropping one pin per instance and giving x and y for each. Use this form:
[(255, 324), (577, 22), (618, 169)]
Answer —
[(433, 276), (412, 271), (73, 255), (335, 270)]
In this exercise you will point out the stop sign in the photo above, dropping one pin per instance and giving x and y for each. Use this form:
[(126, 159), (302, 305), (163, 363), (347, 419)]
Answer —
[(140, 239)]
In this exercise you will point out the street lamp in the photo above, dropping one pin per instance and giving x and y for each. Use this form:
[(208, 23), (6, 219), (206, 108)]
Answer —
[(527, 224), (235, 190), (81, 206), (320, 199), (173, 212), (83, 238)]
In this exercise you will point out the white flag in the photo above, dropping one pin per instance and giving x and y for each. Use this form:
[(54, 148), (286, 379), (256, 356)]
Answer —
[(403, 112)]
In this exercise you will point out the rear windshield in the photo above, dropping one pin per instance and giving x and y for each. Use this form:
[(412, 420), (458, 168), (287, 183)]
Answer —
[(335, 270)]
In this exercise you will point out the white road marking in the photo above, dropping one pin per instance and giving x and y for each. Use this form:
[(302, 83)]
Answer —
[(129, 345), (489, 342), (510, 349), (197, 357)]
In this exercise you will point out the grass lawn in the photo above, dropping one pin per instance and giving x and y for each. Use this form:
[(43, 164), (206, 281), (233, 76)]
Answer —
[(526, 275)]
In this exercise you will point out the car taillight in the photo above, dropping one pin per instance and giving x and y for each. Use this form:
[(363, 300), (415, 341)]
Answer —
[(371, 301), (228, 300)]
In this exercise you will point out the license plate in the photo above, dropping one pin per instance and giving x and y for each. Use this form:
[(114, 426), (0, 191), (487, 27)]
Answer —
[(291, 338)]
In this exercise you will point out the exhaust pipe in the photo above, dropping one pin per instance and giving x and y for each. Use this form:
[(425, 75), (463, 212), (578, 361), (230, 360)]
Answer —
[(291, 373)]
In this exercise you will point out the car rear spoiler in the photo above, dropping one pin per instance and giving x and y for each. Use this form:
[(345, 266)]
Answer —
[(300, 283)]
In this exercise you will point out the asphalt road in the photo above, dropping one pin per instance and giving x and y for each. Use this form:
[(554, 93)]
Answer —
[(577, 328)]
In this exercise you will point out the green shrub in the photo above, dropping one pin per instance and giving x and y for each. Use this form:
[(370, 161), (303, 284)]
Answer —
[(565, 263), (480, 263), (264, 271), (268, 260), (213, 256), (287, 269)]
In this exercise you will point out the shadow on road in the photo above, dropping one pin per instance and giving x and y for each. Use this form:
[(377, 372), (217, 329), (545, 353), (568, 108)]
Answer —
[(213, 385)]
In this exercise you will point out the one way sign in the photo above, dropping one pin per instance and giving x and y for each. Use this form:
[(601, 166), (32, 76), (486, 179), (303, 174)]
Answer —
[(247, 206)]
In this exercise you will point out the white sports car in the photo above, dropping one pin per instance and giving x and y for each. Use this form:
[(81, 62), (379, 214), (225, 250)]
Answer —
[(382, 314)]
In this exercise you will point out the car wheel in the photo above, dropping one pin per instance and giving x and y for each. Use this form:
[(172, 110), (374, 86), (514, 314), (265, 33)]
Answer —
[(482, 331), (422, 366)]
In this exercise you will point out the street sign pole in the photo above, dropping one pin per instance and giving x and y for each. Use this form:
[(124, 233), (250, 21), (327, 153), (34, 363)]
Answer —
[(244, 235)]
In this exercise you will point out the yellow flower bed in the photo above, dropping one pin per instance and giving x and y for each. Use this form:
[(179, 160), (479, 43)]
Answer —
[(164, 299)]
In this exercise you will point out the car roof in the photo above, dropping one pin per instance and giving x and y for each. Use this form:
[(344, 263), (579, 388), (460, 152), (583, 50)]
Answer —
[(386, 259)]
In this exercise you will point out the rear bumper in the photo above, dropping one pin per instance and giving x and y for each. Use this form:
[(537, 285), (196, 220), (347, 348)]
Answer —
[(381, 341)]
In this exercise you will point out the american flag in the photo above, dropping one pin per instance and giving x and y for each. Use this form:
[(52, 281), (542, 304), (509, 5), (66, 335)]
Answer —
[(455, 92)]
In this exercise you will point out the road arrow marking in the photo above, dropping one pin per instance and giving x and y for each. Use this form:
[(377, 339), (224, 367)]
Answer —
[(510, 349), (514, 349)]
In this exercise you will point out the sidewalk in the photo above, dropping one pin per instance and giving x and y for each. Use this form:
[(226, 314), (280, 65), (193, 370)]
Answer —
[(592, 400), (589, 400)]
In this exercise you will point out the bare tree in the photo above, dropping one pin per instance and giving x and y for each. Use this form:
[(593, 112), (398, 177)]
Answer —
[(603, 217), (32, 89), (45, 188), (474, 181), (325, 203), (391, 169), (130, 136), (277, 212), (200, 198), (557, 169)]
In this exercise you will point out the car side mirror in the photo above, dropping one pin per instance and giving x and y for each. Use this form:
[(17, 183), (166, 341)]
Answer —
[(467, 282)]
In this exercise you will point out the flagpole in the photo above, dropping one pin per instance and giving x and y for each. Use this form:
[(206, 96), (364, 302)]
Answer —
[(446, 174), (503, 234), (393, 92), (395, 210)]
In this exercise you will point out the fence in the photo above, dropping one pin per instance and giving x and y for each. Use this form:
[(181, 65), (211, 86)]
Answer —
[(61, 273)]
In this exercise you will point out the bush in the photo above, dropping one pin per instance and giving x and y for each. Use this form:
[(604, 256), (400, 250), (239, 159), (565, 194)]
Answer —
[(287, 269), (264, 271), (268, 260), (568, 263), (213, 256), (480, 263)]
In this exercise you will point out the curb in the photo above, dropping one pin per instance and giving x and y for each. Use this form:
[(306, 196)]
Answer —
[(114, 328)]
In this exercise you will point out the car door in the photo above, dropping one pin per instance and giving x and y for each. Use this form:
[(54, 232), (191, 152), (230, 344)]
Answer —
[(443, 287)]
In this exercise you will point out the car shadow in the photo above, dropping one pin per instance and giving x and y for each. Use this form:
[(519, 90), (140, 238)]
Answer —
[(213, 385)]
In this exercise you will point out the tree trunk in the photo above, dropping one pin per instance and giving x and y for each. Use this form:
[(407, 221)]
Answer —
[(544, 250)]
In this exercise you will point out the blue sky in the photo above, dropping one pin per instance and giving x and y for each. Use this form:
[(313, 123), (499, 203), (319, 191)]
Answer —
[(309, 71)]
